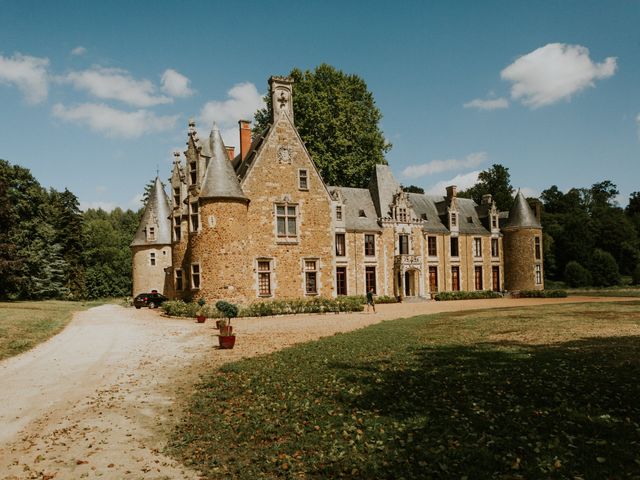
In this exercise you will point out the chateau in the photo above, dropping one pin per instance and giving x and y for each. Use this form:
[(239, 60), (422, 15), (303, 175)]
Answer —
[(263, 225)]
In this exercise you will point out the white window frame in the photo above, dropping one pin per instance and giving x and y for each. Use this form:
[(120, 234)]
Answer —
[(538, 274), (303, 175), (339, 213), (477, 247), (344, 244), (311, 267), (287, 236), (195, 275), (195, 216), (496, 253), (268, 274), (435, 244), (179, 278)]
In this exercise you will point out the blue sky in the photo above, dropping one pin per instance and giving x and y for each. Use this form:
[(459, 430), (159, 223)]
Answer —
[(95, 96)]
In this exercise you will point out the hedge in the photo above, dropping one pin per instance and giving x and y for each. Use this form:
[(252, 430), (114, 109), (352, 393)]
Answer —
[(445, 296), (542, 294)]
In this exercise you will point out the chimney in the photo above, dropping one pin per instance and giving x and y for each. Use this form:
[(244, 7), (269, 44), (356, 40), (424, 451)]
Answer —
[(486, 199), (452, 191), (537, 207), (231, 152), (245, 138)]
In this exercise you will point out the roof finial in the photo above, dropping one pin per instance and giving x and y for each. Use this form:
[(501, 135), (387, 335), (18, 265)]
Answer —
[(157, 170), (176, 156)]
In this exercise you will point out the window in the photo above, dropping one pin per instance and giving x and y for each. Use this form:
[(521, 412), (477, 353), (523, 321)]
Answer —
[(339, 212), (341, 280), (341, 250), (195, 217), (402, 214), (370, 278), (477, 247), (152, 259), (369, 245), (403, 244), (495, 252), (195, 275), (495, 278), (151, 234), (538, 274), (303, 180), (423, 216), (286, 221), (264, 278), (193, 173), (311, 277), (362, 214), (176, 196), (494, 221), (538, 249), (455, 250), (177, 231), (433, 279), (455, 279), (478, 278), (454, 219), (179, 280), (432, 248)]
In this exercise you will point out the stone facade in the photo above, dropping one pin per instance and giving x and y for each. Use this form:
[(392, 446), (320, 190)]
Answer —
[(263, 225)]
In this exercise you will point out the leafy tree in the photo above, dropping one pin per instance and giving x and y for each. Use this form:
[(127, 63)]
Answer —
[(635, 275), (9, 262), (576, 275), (338, 120), (413, 189), (495, 181), (604, 269)]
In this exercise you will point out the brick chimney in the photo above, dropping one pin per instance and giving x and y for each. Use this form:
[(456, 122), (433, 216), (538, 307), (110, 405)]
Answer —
[(231, 151), (452, 191), (245, 138)]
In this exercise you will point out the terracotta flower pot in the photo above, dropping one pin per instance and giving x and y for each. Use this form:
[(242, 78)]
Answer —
[(227, 341), (201, 318)]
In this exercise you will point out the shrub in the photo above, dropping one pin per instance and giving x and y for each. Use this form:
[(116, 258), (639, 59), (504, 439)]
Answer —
[(445, 296), (635, 275), (178, 308), (542, 294), (229, 310), (576, 275), (604, 269)]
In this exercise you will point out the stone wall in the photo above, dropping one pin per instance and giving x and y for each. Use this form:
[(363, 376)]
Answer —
[(147, 277), (520, 259)]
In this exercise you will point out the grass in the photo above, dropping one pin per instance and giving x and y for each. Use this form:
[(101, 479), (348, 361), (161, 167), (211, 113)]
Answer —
[(23, 325), (550, 392), (627, 291)]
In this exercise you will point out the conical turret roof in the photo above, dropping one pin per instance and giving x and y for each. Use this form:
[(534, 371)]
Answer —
[(156, 214), (220, 179), (521, 215)]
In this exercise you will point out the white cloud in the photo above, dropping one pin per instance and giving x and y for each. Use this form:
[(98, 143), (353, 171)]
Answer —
[(437, 166), (113, 122), (116, 84), (244, 99), (27, 73), (490, 104), (175, 84), (462, 181), (101, 189), (78, 51), (554, 72)]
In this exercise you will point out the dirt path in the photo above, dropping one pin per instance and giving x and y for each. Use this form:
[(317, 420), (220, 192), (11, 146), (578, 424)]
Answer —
[(98, 400)]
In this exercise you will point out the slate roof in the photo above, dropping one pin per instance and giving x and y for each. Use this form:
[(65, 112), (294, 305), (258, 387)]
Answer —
[(220, 180), (468, 219), (521, 215), (355, 200), (426, 205), (383, 186), (156, 213)]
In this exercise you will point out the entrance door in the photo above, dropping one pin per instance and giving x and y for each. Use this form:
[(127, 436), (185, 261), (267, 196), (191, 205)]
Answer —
[(455, 279), (433, 279), (495, 276), (408, 281)]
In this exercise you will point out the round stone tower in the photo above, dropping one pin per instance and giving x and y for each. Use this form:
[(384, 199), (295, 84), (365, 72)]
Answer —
[(522, 248), (151, 245), (219, 249)]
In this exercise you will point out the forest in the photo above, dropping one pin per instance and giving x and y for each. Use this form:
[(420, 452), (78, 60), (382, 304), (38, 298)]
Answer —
[(49, 248)]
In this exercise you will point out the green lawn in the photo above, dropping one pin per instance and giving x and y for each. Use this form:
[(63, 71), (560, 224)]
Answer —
[(605, 292), (25, 324), (546, 392)]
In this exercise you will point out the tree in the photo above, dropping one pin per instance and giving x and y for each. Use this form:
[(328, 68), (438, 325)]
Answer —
[(576, 275), (413, 189), (495, 181), (338, 120), (604, 269)]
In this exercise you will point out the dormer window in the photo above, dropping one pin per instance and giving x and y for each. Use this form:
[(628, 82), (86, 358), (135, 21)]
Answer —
[(362, 214), (193, 173), (423, 216), (494, 221), (454, 219), (151, 234), (469, 219), (402, 214), (339, 212), (176, 196)]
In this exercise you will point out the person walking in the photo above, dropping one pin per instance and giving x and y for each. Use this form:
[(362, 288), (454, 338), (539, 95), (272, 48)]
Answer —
[(370, 302)]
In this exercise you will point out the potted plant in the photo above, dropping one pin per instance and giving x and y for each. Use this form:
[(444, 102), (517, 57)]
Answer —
[(200, 316), (221, 322), (226, 338)]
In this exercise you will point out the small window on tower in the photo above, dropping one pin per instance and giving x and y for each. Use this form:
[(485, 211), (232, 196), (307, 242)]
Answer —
[(338, 212), (176, 197), (151, 234), (193, 173), (152, 259)]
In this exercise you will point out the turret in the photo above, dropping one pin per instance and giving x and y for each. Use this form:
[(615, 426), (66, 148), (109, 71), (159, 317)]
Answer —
[(523, 248), (151, 245)]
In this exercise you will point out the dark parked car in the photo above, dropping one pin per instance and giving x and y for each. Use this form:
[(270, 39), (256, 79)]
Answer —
[(151, 300)]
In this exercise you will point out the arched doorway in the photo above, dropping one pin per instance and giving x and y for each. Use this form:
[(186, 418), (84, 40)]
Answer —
[(411, 283)]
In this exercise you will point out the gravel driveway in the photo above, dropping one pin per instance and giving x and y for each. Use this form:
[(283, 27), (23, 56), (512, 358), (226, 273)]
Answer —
[(99, 399)]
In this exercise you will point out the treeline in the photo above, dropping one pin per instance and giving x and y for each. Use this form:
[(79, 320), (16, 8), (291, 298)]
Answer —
[(589, 239), (51, 249)]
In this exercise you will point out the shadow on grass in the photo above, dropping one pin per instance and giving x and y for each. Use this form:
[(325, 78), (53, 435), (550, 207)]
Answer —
[(501, 410)]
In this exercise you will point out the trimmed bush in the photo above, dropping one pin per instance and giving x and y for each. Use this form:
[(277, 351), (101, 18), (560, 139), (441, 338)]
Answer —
[(178, 308), (446, 296), (576, 275), (542, 294), (228, 310)]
